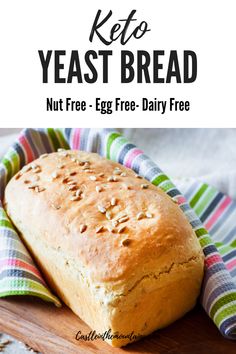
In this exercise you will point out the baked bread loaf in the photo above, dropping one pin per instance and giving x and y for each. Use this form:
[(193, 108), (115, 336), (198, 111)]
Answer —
[(116, 249)]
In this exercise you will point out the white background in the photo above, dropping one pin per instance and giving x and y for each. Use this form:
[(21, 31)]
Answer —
[(207, 27)]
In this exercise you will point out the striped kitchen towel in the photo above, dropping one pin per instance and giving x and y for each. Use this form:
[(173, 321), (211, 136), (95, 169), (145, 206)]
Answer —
[(206, 206)]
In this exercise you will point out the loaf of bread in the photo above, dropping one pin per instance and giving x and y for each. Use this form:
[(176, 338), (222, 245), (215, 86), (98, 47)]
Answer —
[(116, 249)]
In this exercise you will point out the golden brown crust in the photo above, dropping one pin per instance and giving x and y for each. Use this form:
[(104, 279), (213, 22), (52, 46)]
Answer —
[(113, 227), (163, 237)]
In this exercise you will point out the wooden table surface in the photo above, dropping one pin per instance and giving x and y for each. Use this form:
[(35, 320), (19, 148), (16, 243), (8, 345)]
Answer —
[(52, 330)]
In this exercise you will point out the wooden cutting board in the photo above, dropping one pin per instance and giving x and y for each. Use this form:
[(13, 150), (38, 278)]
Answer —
[(52, 330)]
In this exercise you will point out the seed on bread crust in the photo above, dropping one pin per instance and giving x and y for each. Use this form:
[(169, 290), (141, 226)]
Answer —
[(43, 156), (82, 228), (99, 229), (98, 189), (18, 175), (78, 192), (112, 179), (33, 186), (75, 198), (26, 168), (108, 215), (102, 209), (56, 206), (126, 242), (123, 219), (54, 175), (121, 229), (72, 188), (140, 215), (113, 201)]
